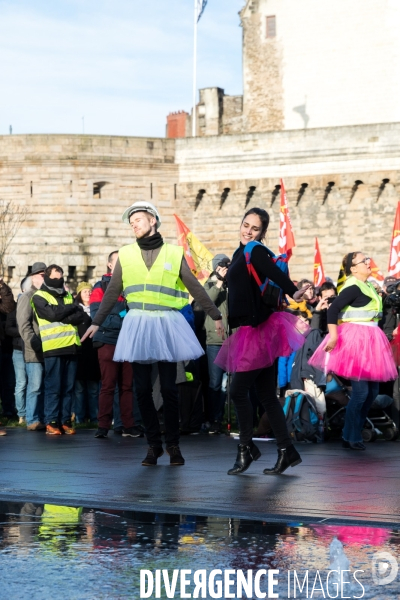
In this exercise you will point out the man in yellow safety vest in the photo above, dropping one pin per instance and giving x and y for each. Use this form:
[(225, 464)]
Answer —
[(57, 317), (156, 281)]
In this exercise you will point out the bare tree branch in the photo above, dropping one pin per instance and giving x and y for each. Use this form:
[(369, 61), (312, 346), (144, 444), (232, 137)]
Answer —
[(12, 215)]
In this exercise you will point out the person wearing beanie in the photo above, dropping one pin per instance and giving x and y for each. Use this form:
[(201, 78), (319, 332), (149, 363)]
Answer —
[(58, 318), (216, 288), (84, 285), (156, 281), (86, 392)]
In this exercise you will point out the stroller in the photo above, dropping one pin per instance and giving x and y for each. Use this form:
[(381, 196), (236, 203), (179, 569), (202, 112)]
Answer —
[(337, 396)]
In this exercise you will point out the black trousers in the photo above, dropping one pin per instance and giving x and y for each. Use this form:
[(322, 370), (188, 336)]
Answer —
[(264, 381), (169, 392)]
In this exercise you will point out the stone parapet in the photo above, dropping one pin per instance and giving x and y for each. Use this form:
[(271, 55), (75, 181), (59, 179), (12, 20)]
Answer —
[(342, 184)]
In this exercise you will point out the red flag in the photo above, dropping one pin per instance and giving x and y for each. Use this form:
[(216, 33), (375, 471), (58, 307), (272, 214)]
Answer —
[(286, 237), (394, 261), (197, 256), (319, 276), (376, 274)]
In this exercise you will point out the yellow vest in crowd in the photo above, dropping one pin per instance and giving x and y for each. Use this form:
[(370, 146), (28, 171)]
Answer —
[(371, 312), (159, 288), (55, 335)]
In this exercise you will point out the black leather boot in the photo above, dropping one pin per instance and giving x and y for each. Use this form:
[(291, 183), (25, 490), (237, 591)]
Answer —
[(244, 458), (287, 457)]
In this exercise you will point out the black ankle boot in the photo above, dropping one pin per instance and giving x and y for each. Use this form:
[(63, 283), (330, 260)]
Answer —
[(244, 458), (287, 457)]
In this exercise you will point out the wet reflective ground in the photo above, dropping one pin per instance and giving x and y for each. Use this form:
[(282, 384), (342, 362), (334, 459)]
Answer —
[(98, 554)]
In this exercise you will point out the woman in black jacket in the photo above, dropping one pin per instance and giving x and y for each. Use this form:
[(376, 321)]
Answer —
[(263, 335), (88, 372)]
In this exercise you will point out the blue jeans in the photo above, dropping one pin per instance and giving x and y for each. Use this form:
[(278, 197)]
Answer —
[(59, 382), (34, 393), (215, 394), (20, 382), (86, 395), (362, 396)]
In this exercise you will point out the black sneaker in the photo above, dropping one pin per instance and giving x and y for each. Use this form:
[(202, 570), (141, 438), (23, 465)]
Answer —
[(101, 433), (134, 432), (118, 430), (153, 453), (215, 428), (176, 459)]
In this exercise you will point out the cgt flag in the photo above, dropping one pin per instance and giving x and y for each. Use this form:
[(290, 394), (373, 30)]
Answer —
[(376, 274), (197, 256), (319, 276), (394, 261), (286, 237)]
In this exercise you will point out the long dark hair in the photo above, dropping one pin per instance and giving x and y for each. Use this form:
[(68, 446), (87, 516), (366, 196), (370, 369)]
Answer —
[(264, 218)]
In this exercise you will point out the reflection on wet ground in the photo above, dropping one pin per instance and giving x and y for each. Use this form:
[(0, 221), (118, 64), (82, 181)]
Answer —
[(47, 552)]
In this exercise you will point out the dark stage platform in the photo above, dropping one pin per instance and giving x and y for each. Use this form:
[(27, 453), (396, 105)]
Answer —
[(332, 484)]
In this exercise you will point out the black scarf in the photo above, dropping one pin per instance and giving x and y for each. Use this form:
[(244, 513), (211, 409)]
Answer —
[(151, 242), (56, 286)]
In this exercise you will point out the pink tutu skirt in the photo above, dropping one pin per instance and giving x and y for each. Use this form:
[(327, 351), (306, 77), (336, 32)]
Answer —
[(362, 352), (251, 348)]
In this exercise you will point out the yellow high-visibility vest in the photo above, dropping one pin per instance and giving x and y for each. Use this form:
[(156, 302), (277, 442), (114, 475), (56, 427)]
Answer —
[(371, 312), (159, 288), (55, 335)]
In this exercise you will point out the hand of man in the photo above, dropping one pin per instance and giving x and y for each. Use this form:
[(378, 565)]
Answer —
[(331, 344), (300, 293), (219, 329), (322, 305), (395, 331), (90, 332), (221, 271)]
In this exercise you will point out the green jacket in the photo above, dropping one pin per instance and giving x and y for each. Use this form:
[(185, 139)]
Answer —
[(219, 297)]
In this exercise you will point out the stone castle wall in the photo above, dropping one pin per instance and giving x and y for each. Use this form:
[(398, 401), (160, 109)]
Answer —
[(75, 189), (75, 220), (320, 168)]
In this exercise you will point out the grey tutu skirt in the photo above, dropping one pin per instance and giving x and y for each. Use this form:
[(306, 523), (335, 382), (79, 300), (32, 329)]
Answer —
[(149, 336)]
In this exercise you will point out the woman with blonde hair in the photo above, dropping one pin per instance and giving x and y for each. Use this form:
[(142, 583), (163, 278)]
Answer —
[(356, 348)]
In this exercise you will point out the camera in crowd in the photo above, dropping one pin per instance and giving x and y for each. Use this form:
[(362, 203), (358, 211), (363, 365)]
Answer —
[(392, 299), (224, 264)]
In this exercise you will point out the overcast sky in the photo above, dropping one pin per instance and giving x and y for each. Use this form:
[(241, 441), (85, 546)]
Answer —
[(122, 64)]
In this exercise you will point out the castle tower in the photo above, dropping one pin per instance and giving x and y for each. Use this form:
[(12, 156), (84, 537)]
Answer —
[(320, 63)]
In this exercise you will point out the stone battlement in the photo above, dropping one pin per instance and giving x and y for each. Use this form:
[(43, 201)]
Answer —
[(342, 184)]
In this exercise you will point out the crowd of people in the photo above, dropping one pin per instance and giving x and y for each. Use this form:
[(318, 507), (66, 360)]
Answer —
[(94, 356)]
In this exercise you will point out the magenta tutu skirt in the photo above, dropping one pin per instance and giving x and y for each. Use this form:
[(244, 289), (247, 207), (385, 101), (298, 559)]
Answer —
[(362, 353), (251, 348)]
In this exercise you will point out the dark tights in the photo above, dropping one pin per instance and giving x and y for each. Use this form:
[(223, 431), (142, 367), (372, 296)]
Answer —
[(264, 381)]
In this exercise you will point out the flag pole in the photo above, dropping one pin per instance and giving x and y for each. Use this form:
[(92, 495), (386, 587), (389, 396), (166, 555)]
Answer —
[(194, 69)]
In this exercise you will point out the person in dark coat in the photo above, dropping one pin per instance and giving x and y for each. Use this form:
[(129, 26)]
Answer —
[(7, 378), (86, 398), (115, 376)]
